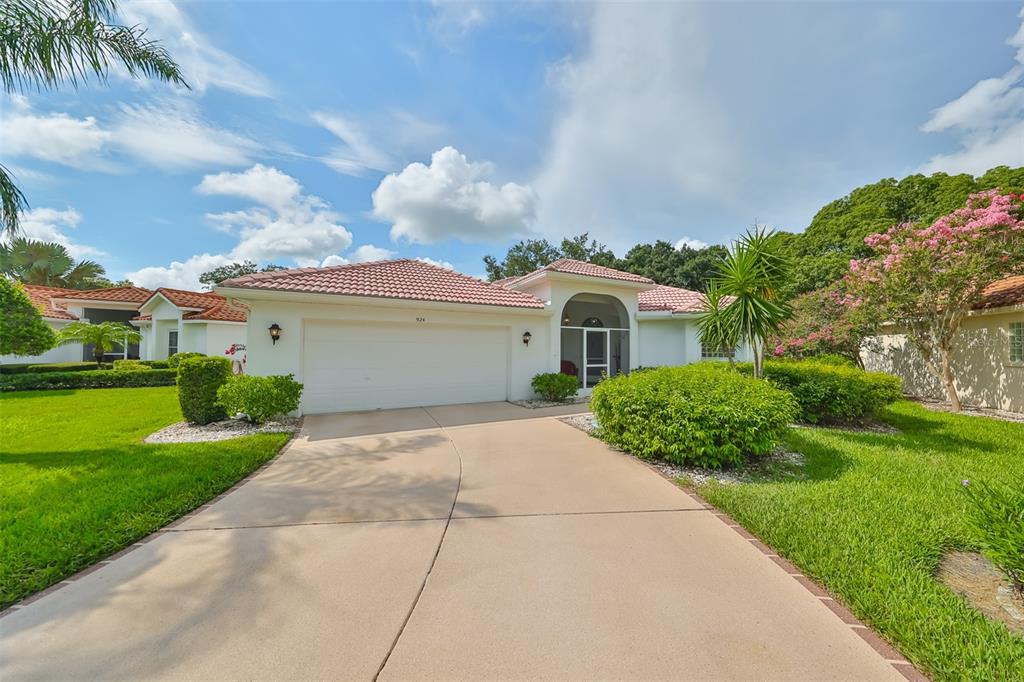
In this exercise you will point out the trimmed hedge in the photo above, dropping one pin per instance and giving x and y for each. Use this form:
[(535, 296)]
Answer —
[(156, 364), (554, 386), (53, 367), (830, 393), (698, 414), (199, 378), (99, 378), (175, 360), (130, 366), (260, 398)]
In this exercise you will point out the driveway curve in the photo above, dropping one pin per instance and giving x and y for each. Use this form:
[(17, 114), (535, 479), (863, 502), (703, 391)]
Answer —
[(478, 541)]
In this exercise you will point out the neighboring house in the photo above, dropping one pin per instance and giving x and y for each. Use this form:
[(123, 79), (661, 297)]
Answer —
[(988, 356), (177, 321), (62, 306), (404, 333)]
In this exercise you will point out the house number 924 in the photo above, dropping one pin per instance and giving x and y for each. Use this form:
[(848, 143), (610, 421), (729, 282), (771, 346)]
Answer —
[(421, 319)]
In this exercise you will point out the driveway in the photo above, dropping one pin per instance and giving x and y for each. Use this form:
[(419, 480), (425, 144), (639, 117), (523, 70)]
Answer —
[(480, 541)]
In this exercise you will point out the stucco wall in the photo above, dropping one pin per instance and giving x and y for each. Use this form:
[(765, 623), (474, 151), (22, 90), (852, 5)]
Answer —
[(982, 371), (665, 341), (219, 337)]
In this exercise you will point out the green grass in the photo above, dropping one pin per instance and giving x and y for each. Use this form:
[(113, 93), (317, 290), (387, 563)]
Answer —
[(77, 484), (870, 517)]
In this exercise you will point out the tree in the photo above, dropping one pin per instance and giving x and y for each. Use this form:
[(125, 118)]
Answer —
[(577, 248), (103, 337), (522, 259), (823, 322), (713, 327), (22, 328), (683, 267), (753, 273), (211, 278), (925, 278), (45, 44), (49, 264)]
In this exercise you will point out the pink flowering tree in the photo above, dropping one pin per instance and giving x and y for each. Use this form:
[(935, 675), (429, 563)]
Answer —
[(823, 322), (924, 280)]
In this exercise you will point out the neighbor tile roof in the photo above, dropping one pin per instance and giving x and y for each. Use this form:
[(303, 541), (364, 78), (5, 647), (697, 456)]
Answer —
[(42, 297), (207, 305), (578, 267), (113, 294), (400, 279), (672, 299), (1003, 292)]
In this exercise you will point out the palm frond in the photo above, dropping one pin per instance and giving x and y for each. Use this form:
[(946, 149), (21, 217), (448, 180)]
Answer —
[(12, 202)]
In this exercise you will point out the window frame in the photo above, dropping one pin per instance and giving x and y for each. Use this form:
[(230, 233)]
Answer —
[(172, 332), (1015, 343)]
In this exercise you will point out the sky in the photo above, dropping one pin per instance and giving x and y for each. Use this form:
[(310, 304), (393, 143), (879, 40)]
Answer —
[(321, 133)]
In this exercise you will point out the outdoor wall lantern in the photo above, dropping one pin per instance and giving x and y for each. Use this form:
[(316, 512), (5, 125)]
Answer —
[(275, 332), (526, 338)]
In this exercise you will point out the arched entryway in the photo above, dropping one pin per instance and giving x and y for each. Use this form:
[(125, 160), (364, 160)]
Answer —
[(595, 338)]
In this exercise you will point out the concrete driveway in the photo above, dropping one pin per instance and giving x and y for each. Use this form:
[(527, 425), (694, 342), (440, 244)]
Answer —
[(465, 542)]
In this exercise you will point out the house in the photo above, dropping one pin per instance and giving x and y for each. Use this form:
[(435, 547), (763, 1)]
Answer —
[(178, 321), (988, 355), (403, 333)]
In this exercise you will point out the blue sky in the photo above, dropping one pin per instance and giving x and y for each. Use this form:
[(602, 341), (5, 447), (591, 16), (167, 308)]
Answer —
[(330, 132)]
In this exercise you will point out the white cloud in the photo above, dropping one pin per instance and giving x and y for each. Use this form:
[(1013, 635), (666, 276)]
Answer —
[(989, 119), (451, 198), (438, 263), (334, 259), (369, 252), (378, 142), (455, 19), (642, 133), (54, 137), (356, 154), (284, 224), (203, 65), (691, 242), (50, 225)]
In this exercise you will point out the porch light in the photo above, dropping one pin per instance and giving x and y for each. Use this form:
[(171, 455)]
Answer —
[(275, 332), (526, 338)]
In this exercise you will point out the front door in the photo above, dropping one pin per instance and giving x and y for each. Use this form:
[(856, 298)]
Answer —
[(595, 354)]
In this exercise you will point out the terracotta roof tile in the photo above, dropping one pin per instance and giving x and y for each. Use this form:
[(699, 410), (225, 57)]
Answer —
[(41, 297), (222, 312), (114, 294), (578, 267), (204, 305), (672, 299), (1004, 292), (398, 279)]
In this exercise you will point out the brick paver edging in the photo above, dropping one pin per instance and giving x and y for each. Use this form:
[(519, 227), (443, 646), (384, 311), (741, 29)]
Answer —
[(152, 536)]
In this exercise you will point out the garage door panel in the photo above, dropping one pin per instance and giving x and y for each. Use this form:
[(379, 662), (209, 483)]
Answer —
[(360, 366)]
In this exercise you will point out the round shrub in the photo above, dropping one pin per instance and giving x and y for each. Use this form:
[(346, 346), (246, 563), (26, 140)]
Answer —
[(698, 414), (260, 398), (832, 393), (175, 360), (554, 386), (130, 366), (198, 381)]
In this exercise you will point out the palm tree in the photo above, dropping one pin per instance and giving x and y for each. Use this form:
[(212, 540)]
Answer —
[(754, 274), (103, 337), (49, 264), (45, 44), (712, 326)]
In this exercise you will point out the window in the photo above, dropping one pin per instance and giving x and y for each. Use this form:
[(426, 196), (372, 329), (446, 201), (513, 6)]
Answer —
[(1017, 342), (172, 342), (707, 351)]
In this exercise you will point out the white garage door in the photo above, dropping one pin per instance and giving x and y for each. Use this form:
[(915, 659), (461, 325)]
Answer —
[(369, 365)]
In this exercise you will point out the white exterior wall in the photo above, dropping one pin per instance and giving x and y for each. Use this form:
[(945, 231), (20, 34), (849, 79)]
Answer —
[(666, 342), (192, 338), (983, 373), (286, 357), (220, 336), (72, 352), (165, 318)]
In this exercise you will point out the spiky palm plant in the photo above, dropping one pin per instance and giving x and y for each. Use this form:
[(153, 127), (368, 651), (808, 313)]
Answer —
[(47, 263), (103, 337), (712, 327), (45, 44)]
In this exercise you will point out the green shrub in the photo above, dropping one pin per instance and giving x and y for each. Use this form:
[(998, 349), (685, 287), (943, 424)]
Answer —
[(198, 381), (260, 398), (997, 514), (829, 393), (97, 378), (175, 360), (52, 367), (554, 386), (130, 366), (832, 359), (156, 364), (699, 414)]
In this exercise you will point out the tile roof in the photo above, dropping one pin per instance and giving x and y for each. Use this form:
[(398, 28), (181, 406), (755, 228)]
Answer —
[(113, 294), (41, 297), (1003, 292), (578, 267), (207, 306), (672, 299), (400, 279)]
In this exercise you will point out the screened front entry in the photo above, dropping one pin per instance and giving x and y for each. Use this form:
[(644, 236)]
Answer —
[(595, 338)]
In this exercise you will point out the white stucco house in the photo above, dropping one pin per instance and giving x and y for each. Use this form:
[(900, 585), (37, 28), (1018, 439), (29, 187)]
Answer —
[(404, 333), (988, 353), (178, 321)]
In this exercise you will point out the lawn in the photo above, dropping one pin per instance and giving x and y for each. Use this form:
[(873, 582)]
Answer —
[(77, 484), (870, 516)]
